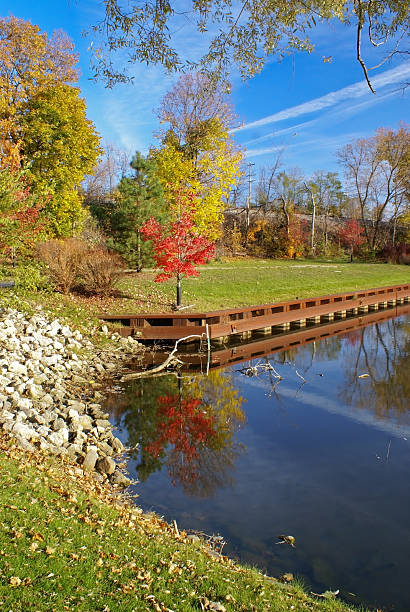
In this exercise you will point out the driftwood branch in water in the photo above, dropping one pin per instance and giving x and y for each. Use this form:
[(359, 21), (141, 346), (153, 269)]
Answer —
[(168, 361)]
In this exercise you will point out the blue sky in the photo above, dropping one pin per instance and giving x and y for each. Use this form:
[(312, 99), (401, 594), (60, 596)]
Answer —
[(303, 106)]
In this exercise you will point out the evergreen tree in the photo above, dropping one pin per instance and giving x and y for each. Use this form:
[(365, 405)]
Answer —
[(138, 198)]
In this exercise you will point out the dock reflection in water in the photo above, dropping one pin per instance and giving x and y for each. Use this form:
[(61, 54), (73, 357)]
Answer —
[(311, 440)]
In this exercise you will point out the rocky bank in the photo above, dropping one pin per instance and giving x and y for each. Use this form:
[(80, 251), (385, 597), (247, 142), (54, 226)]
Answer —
[(50, 390)]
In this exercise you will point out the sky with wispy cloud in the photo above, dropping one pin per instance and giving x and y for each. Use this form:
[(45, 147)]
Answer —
[(303, 108)]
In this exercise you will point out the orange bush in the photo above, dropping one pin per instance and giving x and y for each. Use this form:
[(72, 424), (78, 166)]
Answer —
[(62, 258)]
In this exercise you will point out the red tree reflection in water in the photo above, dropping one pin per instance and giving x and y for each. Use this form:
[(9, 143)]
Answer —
[(184, 426)]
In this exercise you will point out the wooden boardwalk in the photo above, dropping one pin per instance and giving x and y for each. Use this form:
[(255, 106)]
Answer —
[(236, 353), (220, 324)]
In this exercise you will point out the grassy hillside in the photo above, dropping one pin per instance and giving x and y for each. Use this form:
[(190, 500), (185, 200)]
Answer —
[(67, 544)]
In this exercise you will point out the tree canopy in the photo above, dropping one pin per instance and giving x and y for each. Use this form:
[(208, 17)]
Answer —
[(377, 171), (197, 151), (246, 33), (43, 123)]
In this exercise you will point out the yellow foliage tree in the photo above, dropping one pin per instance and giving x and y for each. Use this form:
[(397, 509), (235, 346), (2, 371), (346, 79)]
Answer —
[(30, 61), (197, 151), (62, 146), (43, 124)]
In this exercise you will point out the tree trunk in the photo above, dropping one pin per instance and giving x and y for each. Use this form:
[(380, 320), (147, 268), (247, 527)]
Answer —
[(178, 290)]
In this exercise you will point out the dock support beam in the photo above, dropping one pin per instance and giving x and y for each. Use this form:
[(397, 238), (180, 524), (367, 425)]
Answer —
[(299, 323)]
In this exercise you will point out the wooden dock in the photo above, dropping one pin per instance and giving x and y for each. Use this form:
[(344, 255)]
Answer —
[(235, 353), (244, 321)]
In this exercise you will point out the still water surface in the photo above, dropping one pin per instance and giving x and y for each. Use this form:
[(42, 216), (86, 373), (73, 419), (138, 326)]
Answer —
[(322, 454)]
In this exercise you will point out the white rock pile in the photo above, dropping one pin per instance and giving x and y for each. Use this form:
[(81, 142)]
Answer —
[(48, 391)]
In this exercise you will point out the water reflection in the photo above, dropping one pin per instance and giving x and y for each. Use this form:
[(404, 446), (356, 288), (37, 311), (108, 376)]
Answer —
[(305, 445), (189, 425), (380, 353)]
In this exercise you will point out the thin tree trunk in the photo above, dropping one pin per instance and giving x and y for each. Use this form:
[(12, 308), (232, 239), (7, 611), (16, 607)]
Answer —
[(178, 290)]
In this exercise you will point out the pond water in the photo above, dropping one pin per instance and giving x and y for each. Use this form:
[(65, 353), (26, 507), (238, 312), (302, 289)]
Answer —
[(321, 453)]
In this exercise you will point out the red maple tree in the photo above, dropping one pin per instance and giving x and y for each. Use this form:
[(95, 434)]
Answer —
[(20, 224), (178, 249), (184, 426), (350, 235)]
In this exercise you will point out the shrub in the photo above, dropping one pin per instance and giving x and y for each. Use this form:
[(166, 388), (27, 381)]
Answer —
[(98, 271), (31, 277), (72, 264), (62, 258)]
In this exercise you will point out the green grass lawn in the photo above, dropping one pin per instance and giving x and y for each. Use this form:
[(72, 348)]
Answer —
[(64, 545), (220, 284), (231, 283)]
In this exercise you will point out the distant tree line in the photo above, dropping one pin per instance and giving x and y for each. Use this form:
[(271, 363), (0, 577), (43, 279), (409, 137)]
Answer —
[(186, 199)]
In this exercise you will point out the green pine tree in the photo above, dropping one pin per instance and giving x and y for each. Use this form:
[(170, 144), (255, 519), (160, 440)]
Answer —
[(138, 198)]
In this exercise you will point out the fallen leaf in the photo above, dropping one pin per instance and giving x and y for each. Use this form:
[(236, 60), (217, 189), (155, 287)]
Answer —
[(363, 375), (288, 577), (216, 606), (14, 581), (38, 536), (287, 540), (50, 550)]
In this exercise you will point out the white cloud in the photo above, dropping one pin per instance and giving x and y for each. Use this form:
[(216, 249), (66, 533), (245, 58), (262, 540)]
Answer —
[(319, 143), (356, 90)]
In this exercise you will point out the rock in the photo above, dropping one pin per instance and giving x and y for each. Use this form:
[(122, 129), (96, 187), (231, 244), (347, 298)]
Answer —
[(24, 403), (119, 479), (75, 405), (25, 431), (17, 368), (46, 401), (117, 445), (8, 417), (60, 437), (39, 371), (59, 424), (215, 606), (25, 444), (73, 414), (86, 422), (105, 465), (105, 448), (34, 391), (90, 460), (103, 423)]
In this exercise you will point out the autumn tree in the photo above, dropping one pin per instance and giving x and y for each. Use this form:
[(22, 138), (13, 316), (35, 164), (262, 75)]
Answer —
[(42, 118), (247, 33), (20, 209), (188, 424), (351, 235), (197, 151), (375, 168), (30, 62), (62, 146), (178, 248)]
